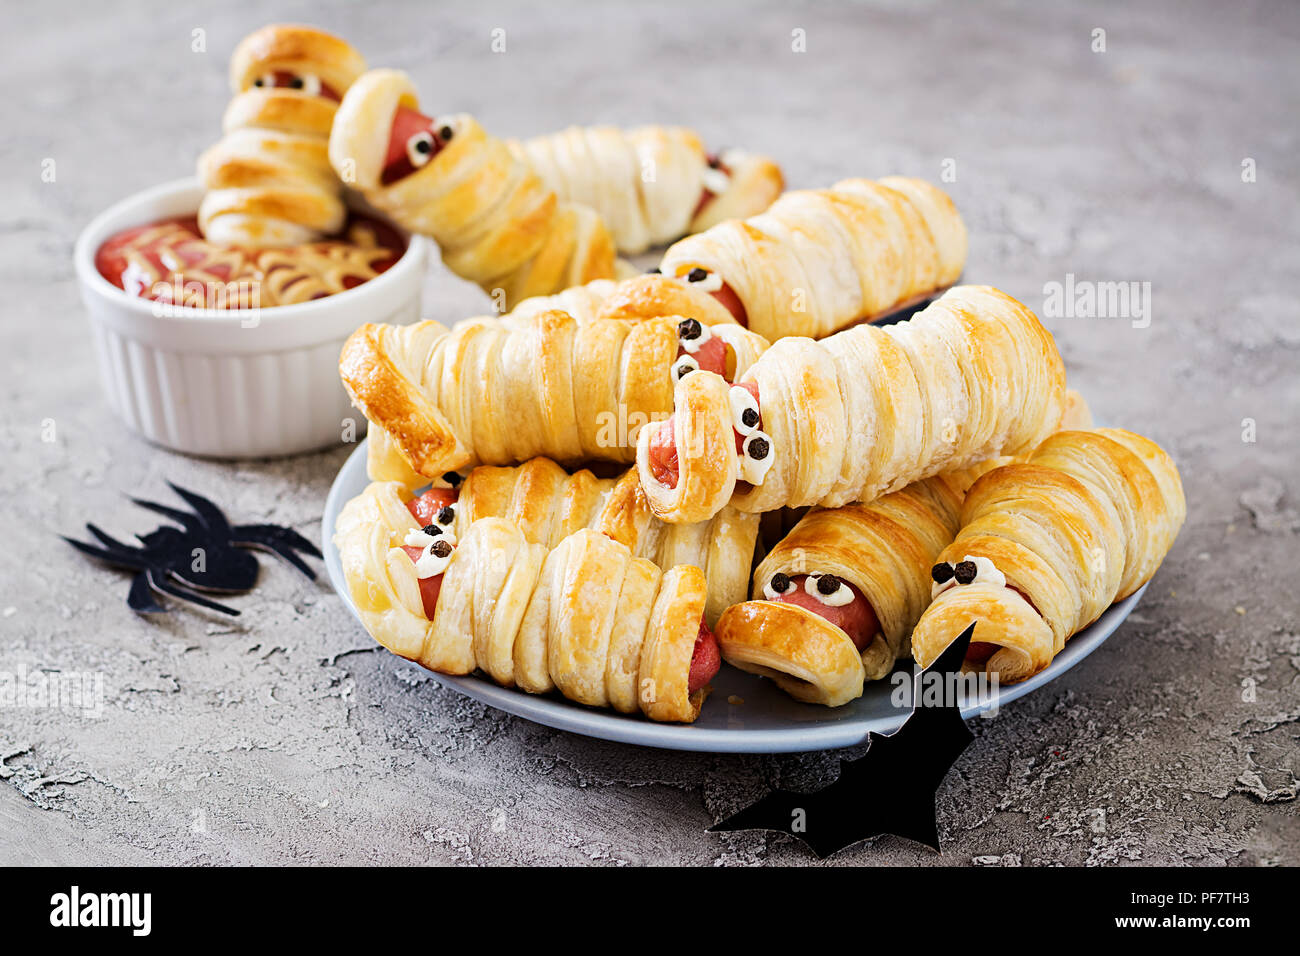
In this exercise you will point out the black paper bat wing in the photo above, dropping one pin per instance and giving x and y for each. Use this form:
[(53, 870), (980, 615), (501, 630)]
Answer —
[(889, 789)]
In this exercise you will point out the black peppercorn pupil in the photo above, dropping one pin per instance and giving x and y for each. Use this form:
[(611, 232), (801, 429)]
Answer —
[(750, 417), (259, 82), (432, 529), (423, 146), (445, 133), (758, 449), (780, 583), (689, 329), (965, 572), (446, 515), (697, 275), (296, 82), (441, 547), (941, 572), (452, 478), (828, 584)]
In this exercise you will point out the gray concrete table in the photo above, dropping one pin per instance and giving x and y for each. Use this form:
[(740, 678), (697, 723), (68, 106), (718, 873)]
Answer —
[(1167, 158)]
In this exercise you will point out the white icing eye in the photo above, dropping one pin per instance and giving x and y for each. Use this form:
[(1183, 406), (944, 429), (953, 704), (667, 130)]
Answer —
[(684, 365), (745, 416), (266, 80), (703, 279), (692, 333), (419, 148), (755, 457), (716, 181), (308, 83), (779, 585), (435, 559), (828, 589)]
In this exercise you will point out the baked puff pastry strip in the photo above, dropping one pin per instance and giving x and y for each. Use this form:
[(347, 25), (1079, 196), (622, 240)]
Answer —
[(820, 260), (269, 181), (835, 601), (1045, 546), (548, 504), (588, 618), (860, 414), (652, 184), (497, 224), (545, 385)]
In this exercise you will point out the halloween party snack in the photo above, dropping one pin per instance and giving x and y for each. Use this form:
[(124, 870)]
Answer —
[(835, 601), (269, 179), (857, 415), (820, 260), (586, 618), (548, 504), (1046, 545), (544, 384), (495, 221), (652, 184)]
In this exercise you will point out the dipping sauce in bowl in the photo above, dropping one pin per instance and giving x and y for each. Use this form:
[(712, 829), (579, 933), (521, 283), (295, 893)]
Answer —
[(170, 261)]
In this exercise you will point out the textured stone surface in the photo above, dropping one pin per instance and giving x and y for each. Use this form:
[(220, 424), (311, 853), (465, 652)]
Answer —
[(288, 737)]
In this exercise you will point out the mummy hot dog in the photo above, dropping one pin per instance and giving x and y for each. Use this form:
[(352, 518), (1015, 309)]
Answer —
[(652, 184), (269, 179), (1046, 545), (835, 601), (588, 618), (820, 260), (541, 385), (495, 221), (862, 413)]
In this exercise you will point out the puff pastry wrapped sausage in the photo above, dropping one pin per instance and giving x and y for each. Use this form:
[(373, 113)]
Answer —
[(652, 184), (588, 618), (835, 601), (1046, 545), (269, 179), (820, 260), (860, 414), (495, 221), (541, 385), (548, 503)]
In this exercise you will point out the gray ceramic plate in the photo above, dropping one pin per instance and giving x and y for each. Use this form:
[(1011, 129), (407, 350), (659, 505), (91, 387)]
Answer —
[(762, 720)]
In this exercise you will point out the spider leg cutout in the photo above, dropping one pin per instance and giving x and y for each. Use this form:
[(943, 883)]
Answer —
[(278, 540), (166, 558)]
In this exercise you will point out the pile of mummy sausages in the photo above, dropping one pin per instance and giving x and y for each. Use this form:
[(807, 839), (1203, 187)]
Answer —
[(620, 482)]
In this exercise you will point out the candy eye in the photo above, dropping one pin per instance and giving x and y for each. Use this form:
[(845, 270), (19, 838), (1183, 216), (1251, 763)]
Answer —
[(744, 411), (684, 365), (828, 589), (419, 148), (965, 572), (779, 585)]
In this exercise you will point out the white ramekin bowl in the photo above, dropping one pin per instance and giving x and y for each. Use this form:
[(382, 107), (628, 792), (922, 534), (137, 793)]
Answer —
[(222, 383)]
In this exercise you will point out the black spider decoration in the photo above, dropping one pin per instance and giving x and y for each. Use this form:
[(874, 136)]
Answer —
[(890, 789), (205, 553)]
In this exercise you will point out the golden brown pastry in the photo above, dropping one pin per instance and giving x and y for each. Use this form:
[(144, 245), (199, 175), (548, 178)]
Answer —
[(495, 221), (548, 504), (1046, 545), (860, 414), (835, 601), (820, 260), (652, 184), (587, 618), (269, 179), (541, 385)]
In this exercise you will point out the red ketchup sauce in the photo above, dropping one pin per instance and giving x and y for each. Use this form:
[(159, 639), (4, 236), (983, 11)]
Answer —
[(170, 261)]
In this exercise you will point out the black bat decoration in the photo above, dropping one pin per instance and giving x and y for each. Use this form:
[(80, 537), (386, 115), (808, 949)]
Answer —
[(206, 553), (890, 789)]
